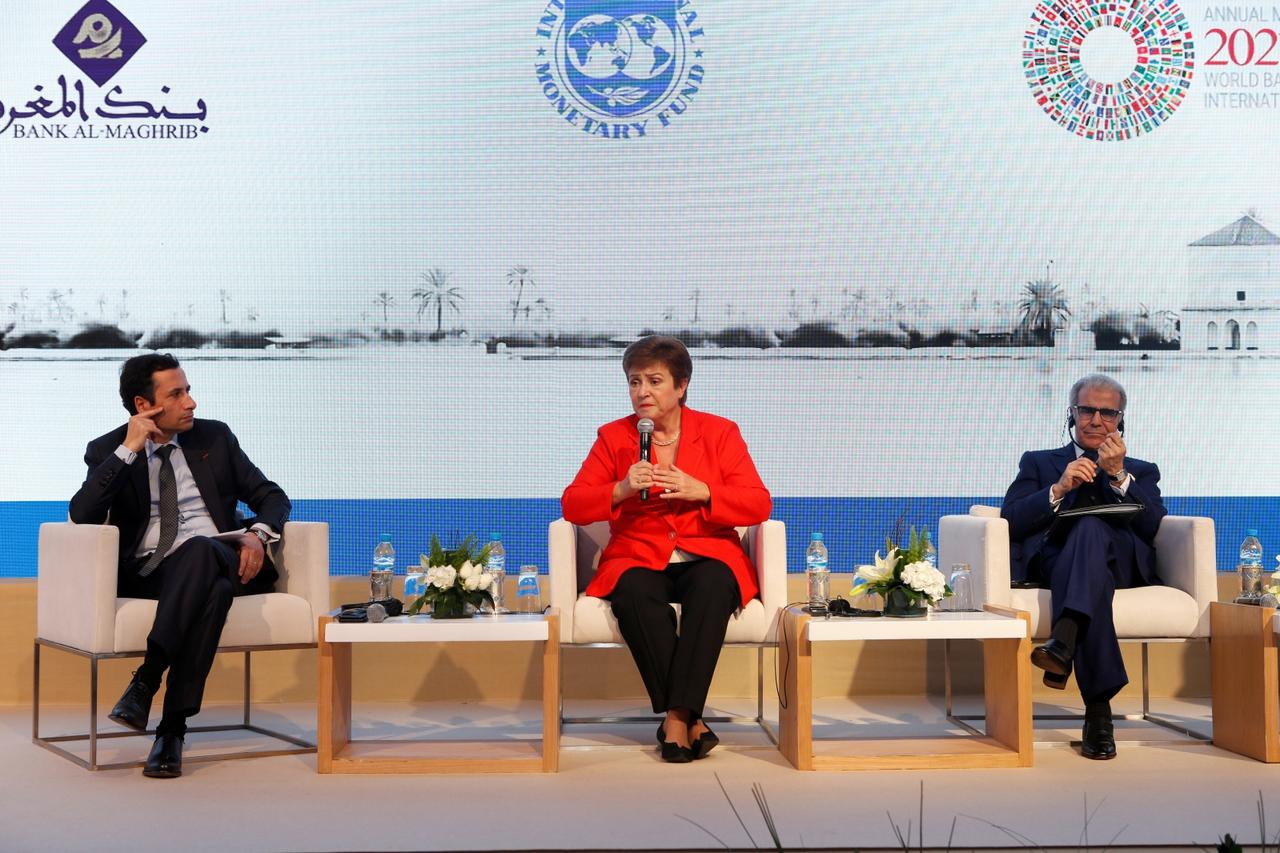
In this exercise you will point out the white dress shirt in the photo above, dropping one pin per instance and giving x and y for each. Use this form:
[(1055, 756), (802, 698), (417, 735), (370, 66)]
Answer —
[(193, 516)]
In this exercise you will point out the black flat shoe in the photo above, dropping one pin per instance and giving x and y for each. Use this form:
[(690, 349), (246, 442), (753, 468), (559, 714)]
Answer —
[(706, 742), (1098, 739), (674, 753), (165, 760), (134, 707), (671, 751), (1052, 657)]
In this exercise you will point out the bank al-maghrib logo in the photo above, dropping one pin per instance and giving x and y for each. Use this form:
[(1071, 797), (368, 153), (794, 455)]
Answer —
[(1109, 111), (619, 69), (99, 40)]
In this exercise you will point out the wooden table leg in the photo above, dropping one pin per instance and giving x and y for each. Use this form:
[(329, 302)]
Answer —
[(333, 703), (795, 705), (551, 694), (1007, 688), (1243, 660)]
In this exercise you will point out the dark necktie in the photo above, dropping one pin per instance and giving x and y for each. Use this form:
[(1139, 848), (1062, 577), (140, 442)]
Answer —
[(1094, 494), (168, 511)]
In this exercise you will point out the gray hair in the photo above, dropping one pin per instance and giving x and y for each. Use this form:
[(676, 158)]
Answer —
[(1098, 380)]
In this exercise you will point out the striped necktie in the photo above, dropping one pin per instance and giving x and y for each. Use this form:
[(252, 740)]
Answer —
[(168, 511)]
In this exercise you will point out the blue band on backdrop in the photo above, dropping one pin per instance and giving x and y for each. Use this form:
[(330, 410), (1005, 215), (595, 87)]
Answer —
[(853, 528)]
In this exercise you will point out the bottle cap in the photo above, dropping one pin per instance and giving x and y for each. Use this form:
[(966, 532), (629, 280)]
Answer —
[(495, 537), (1251, 531), (816, 536), (386, 537)]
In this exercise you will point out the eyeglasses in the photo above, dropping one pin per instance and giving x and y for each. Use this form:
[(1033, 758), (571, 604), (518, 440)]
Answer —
[(1086, 413)]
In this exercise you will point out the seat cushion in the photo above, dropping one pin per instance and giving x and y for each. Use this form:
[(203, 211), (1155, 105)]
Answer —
[(275, 618), (1144, 612), (593, 622)]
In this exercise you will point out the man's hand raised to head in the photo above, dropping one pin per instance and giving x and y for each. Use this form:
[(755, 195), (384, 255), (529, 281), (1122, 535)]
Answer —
[(142, 427)]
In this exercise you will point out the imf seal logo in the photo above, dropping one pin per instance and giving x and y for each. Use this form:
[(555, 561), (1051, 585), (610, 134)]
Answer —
[(99, 40), (619, 69)]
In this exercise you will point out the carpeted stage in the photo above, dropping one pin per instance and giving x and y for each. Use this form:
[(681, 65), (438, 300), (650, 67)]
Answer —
[(612, 792)]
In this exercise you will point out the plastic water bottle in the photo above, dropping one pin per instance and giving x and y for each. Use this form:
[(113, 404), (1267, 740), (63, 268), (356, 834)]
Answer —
[(1250, 566), (528, 594), (496, 565), (817, 575), (930, 552), (415, 583), (384, 569)]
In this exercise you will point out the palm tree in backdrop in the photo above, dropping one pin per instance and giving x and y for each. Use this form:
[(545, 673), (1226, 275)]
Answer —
[(1044, 308), (436, 293)]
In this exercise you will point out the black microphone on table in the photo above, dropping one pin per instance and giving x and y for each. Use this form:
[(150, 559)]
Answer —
[(645, 427)]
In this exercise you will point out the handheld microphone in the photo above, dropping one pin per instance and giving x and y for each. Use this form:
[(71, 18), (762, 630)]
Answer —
[(645, 427)]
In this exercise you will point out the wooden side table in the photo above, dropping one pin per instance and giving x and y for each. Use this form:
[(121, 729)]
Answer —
[(1006, 640), (336, 752), (1242, 649)]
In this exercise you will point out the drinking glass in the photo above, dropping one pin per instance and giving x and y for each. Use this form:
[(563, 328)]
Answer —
[(961, 588), (528, 592)]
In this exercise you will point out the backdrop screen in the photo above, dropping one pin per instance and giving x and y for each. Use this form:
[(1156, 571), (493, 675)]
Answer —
[(399, 246)]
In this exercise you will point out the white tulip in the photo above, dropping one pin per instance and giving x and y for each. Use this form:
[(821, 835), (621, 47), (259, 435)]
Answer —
[(467, 570), (472, 582)]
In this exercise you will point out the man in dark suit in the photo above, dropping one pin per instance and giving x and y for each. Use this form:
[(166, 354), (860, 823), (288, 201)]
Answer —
[(171, 483), (1084, 560)]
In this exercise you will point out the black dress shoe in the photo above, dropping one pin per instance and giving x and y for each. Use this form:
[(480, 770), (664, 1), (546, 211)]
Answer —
[(1098, 738), (134, 706), (165, 760), (1052, 657), (1057, 682), (706, 742)]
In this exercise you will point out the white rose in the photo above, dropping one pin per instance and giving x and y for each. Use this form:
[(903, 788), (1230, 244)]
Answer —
[(467, 570), (472, 582), (486, 580)]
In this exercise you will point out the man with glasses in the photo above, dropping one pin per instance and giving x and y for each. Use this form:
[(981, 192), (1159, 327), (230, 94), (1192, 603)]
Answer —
[(1083, 560)]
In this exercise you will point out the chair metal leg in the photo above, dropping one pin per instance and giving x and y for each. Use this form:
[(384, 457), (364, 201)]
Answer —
[(298, 745), (247, 677), (1146, 716), (93, 713), (1163, 722), (35, 692)]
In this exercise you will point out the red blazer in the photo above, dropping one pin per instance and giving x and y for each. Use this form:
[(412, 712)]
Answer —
[(646, 533)]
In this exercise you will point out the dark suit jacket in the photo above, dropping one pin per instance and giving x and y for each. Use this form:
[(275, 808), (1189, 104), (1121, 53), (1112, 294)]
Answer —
[(645, 533), (120, 494), (1026, 508)]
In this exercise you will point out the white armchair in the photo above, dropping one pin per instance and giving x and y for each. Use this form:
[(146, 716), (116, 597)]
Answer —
[(77, 611), (1175, 612), (574, 553)]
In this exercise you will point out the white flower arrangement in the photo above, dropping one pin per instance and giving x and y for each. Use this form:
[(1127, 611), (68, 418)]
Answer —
[(455, 578), (903, 576)]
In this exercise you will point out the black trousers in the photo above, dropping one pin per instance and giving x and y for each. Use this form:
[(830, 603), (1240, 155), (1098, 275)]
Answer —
[(1096, 559), (676, 667), (193, 588)]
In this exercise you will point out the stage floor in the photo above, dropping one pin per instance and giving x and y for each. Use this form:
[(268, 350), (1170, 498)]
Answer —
[(613, 793)]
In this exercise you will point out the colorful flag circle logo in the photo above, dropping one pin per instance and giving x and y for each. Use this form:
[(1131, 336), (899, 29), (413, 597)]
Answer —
[(1109, 111)]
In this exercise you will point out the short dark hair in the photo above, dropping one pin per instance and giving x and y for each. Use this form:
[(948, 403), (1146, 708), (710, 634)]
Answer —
[(667, 351), (136, 377)]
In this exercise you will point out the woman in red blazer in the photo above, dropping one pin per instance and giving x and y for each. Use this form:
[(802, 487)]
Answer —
[(679, 545)]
